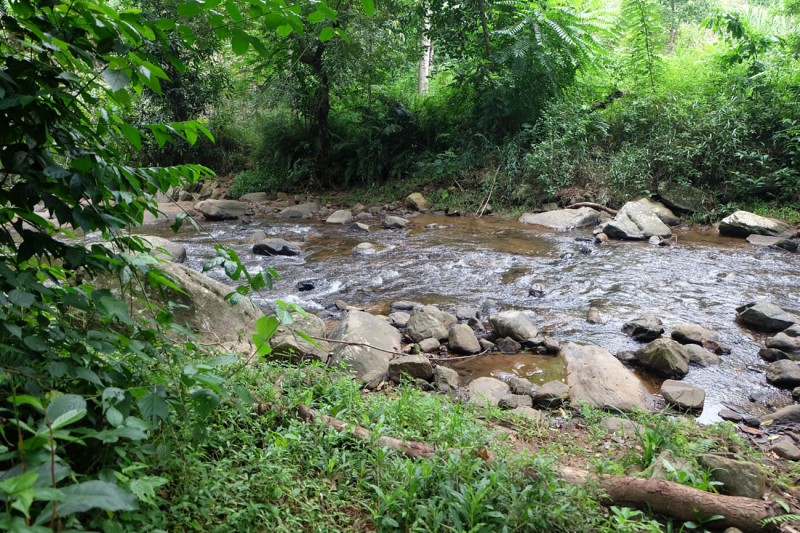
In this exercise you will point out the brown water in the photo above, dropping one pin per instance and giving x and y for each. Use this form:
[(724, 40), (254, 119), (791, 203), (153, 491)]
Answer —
[(701, 279)]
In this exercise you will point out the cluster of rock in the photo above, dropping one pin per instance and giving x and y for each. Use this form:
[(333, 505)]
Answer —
[(782, 350)]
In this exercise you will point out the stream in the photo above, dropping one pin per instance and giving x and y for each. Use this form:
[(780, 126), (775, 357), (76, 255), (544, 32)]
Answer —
[(701, 279)]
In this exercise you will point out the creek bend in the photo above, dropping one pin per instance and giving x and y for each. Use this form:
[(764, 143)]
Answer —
[(701, 279)]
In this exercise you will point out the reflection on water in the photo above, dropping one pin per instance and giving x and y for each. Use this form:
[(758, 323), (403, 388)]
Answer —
[(701, 279)]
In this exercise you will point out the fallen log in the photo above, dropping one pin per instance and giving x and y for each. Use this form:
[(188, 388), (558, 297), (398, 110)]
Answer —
[(663, 497), (612, 212)]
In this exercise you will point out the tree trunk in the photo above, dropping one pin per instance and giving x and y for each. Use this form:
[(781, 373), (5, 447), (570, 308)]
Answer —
[(322, 104), (424, 61), (485, 29)]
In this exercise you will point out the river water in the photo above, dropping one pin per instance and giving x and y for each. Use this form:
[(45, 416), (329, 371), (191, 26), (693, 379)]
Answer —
[(701, 279)]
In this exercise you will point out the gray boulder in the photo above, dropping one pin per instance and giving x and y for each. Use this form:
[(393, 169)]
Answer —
[(370, 365), (399, 319), (596, 377), (173, 252), (636, 221), (508, 345), (422, 324), (341, 217), (447, 319), (785, 343), (620, 426), (551, 394), (393, 222), (255, 236), (700, 356), (773, 242), (684, 198), (465, 313), (447, 376), (255, 197), (462, 339), (416, 366), (529, 413), (520, 385), (764, 316), (358, 227), (275, 247), (593, 316), (487, 391), (286, 342), (429, 345), (299, 211), (514, 324), (790, 413), (743, 223), (683, 395), (646, 328), (417, 202), (738, 478), (223, 209), (365, 248), (665, 357), (784, 374), (692, 334), (512, 401), (786, 448), (663, 212), (563, 219)]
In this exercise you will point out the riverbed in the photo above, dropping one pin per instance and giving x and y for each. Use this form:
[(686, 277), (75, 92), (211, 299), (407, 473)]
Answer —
[(701, 278)]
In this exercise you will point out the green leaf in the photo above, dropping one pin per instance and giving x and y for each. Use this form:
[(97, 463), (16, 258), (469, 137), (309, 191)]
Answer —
[(35, 343), (63, 404), (240, 42), (326, 34), (70, 417), (96, 494), (266, 327), (154, 408), (116, 79), (133, 135), (190, 9), (24, 399), (113, 308), (165, 24), (144, 487), (233, 11), (243, 394), (204, 401), (369, 7), (284, 30), (114, 417), (316, 16), (21, 298), (19, 483)]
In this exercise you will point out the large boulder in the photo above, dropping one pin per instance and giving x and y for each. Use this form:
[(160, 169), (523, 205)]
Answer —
[(275, 247), (369, 364), (773, 242), (683, 395), (693, 334), (416, 366), (598, 378), (700, 356), (636, 221), (551, 394), (514, 324), (684, 198), (644, 329), (223, 209), (487, 391), (342, 216), (286, 342), (447, 319), (299, 211), (663, 212), (742, 224), (417, 202), (463, 340), (784, 374), (738, 478), (764, 316), (563, 219), (423, 324), (790, 413), (785, 343), (446, 376), (393, 222), (665, 357)]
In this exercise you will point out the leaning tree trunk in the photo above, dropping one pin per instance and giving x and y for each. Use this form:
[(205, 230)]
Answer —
[(424, 70)]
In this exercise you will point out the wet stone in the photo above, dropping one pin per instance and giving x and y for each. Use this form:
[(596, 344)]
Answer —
[(729, 415), (512, 401), (509, 346), (786, 449)]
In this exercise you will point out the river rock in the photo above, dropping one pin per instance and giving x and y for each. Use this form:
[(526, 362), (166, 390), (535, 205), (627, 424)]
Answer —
[(299, 211), (730, 415), (793, 331), (738, 478), (636, 221), (175, 251), (342, 216), (790, 413), (692, 334), (530, 413), (508, 345), (764, 316), (423, 324), (551, 394), (786, 449), (393, 222), (684, 198), (596, 377), (562, 219), (399, 319), (784, 374), (487, 391), (223, 209), (275, 247), (286, 342), (644, 329), (665, 357), (514, 324), (551, 345), (358, 227), (520, 385), (447, 319), (365, 248), (462, 339), (773, 242), (700, 356), (402, 305), (369, 364), (683, 395), (417, 202), (429, 345), (487, 345), (619, 425), (785, 343), (742, 224), (512, 401), (447, 376), (661, 211), (416, 366), (465, 313), (255, 236), (593, 316)]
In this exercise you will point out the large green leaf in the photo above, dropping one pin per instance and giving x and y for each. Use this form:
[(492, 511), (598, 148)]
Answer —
[(116, 79), (96, 494), (204, 401), (154, 408), (240, 42), (63, 404)]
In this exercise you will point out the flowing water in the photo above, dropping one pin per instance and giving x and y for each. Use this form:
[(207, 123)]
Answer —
[(700, 280)]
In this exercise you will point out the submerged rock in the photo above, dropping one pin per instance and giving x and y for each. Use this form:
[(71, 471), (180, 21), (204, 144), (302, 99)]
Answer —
[(646, 328), (742, 224), (773, 242), (393, 222), (593, 316), (563, 219), (365, 248), (596, 377)]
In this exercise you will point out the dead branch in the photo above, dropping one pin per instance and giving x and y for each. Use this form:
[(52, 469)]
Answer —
[(593, 205)]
